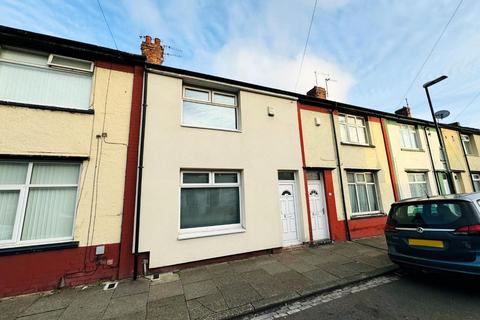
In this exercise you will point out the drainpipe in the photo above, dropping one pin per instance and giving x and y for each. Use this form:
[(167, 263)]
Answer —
[(466, 161), (140, 173), (339, 166), (431, 160)]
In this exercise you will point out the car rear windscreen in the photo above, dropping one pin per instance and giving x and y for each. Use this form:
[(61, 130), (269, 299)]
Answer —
[(441, 214)]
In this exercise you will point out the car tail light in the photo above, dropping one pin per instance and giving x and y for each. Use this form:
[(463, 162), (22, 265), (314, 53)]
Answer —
[(468, 230), (389, 228)]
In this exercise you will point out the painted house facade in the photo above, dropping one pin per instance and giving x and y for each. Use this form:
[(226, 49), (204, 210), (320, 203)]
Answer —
[(66, 113), (222, 170)]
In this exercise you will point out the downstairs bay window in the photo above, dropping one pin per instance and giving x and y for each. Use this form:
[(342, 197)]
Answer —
[(210, 203), (37, 202), (363, 193)]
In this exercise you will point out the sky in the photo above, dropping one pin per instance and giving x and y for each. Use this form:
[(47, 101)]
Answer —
[(372, 50)]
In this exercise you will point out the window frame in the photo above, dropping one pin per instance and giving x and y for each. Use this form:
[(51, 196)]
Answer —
[(377, 197), (425, 182), (476, 178), (356, 126), (198, 232), (465, 138), (410, 130), (23, 201), (56, 68), (211, 93)]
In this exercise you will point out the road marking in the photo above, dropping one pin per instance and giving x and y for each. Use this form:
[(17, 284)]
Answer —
[(322, 298)]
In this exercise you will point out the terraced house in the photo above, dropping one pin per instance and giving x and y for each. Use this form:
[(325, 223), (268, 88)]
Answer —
[(66, 109), (114, 165)]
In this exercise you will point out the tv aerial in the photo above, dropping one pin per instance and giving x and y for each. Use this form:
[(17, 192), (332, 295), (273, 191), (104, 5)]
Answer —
[(327, 79)]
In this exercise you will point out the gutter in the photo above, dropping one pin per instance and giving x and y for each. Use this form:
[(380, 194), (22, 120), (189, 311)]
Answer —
[(139, 174), (347, 227)]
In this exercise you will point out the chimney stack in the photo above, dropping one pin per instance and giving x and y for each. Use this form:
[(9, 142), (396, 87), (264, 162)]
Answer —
[(152, 51), (404, 111), (317, 92)]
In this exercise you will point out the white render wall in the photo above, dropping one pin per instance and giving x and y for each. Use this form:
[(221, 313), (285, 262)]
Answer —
[(264, 146)]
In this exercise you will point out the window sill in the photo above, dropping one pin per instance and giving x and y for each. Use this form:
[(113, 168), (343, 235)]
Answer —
[(412, 150), (203, 234), (210, 128), (368, 215), (38, 248), (41, 107), (357, 144)]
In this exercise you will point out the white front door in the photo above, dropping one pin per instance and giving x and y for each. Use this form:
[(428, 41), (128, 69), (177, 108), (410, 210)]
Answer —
[(288, 212), (318, 211)]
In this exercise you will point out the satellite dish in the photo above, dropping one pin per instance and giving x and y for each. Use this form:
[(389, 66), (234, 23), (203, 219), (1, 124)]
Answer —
[(442, 114)]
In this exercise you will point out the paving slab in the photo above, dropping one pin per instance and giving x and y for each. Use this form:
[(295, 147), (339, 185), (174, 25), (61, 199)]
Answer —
[(195, 275), (238, 294), (49, 315), (293, 280), (199, 289), (173, 311), (198, 311), (275, 267), (91, 303), (59, 299), (320, 276), (165, 290), (131, 305), (128, 288), (10, 308)]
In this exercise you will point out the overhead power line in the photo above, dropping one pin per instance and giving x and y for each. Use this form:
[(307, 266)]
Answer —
[(106, 22), (306, 45), (433, 49), (467, 106)]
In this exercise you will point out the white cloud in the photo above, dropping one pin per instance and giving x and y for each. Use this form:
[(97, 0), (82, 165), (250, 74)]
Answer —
[(253, 62)]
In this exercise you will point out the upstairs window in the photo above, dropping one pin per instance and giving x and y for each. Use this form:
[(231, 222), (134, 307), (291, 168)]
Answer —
[(467, 144), (409, 137), (45, 79), (209, 109), (353, 129)]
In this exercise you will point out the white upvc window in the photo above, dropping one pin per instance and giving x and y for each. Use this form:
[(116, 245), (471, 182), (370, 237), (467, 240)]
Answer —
[(467, 144), (210, 109), (418, 184), (353, 129), (363, 193), (476, 182), (38, 202), (409, 137), (210, 203), (45, 79)]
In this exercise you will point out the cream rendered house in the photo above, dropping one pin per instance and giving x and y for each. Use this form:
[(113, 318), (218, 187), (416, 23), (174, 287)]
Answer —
[(222, 171)]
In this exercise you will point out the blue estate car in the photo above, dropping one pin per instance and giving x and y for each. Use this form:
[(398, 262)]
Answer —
[(437, 233)]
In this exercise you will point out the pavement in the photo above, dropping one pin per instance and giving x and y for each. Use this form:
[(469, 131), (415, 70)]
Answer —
[(216, 291)]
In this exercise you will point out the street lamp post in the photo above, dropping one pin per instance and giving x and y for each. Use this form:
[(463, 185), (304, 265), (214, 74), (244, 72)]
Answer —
[(439, 134)]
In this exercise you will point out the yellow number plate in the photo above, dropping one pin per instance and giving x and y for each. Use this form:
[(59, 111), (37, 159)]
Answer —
[(426, 243)]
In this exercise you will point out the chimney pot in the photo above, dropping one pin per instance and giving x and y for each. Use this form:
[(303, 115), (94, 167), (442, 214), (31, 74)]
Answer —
[(404, 111), (317, 92), (152, 51)]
